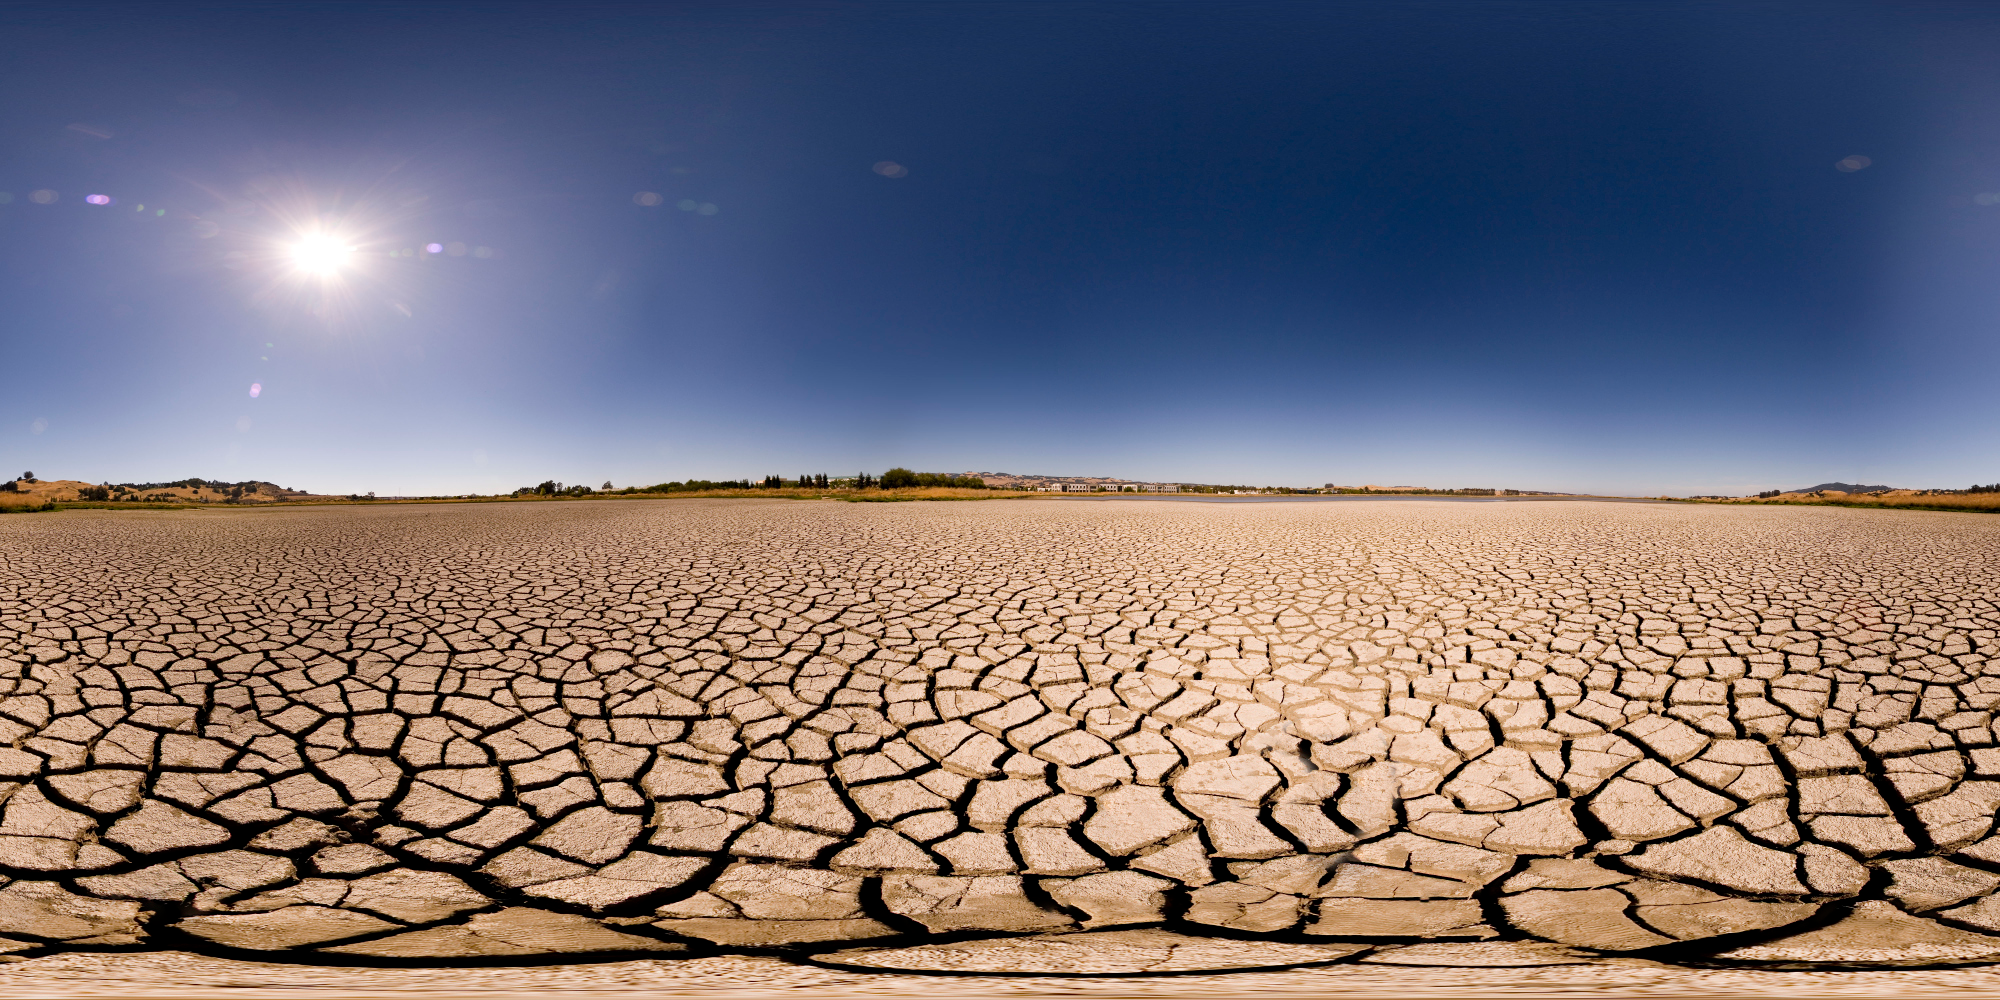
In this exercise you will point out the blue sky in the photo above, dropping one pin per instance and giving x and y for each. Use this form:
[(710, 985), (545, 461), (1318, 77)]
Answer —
[(1596, 246)]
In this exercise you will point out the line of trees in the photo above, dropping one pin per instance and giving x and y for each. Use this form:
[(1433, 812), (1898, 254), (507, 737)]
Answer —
[(900, 478), (897, 478), (551, 488)]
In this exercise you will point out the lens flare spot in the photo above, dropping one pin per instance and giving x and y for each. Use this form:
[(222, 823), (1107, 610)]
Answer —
[(97, 199), (1850, 164), (256, 389), (433, 248)]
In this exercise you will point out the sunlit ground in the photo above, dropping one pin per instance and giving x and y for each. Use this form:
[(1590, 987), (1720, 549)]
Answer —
[(181, 974)]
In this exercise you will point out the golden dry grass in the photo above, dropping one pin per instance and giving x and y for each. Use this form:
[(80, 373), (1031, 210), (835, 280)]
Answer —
[(1989, 502)]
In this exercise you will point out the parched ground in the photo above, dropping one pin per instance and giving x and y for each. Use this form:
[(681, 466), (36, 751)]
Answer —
[(1034, 737)]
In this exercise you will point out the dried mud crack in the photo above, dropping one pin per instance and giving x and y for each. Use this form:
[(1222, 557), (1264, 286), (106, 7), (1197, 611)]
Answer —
[(1035, 737)]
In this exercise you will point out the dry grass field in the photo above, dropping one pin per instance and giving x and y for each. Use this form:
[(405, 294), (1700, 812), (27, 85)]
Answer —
[(1042, 748), (1896, 500)]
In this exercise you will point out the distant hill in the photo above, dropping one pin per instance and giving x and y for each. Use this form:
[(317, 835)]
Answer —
[(196, 490), (1842, 487)]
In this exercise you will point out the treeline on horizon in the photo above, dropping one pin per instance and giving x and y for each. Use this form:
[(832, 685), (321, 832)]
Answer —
[(900, 478), (897, 478)]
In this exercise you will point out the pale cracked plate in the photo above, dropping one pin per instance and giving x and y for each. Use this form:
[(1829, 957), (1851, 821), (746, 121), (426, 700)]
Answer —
[(1480, 955), (1093, 953)]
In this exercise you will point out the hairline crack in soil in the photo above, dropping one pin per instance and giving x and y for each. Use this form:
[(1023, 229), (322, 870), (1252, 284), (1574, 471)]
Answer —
[(1267, 736)]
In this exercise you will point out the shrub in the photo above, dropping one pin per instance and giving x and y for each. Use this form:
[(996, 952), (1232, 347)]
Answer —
[(899, 478)]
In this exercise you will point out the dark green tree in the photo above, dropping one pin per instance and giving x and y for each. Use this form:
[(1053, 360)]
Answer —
[(898, 478)]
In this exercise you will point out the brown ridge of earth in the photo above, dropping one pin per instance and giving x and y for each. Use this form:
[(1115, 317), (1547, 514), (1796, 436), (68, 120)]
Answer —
[(1034, 739)]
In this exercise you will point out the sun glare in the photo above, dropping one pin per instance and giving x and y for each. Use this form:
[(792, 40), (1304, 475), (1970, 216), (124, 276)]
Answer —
[(320, 254)]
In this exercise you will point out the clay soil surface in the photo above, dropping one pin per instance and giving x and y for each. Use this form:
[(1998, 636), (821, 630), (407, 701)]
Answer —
[(1027, 748), (186, 976)]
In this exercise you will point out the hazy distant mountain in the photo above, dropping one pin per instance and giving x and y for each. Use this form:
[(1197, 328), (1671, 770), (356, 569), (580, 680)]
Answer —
[(1843, 487)]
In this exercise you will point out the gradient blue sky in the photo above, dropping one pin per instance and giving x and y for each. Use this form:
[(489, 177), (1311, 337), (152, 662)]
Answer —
[(1571, 246)]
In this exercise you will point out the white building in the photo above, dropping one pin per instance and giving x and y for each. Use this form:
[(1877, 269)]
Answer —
[(1163, 488)]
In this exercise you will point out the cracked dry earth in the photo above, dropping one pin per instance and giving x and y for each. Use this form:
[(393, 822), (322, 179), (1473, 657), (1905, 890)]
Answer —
[(1025, 737)]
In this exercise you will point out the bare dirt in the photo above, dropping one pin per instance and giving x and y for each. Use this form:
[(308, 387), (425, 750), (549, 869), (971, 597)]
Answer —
[(1581, 746)]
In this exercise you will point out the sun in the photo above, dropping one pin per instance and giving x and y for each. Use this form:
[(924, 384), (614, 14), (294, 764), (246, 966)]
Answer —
[(320, 254)]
